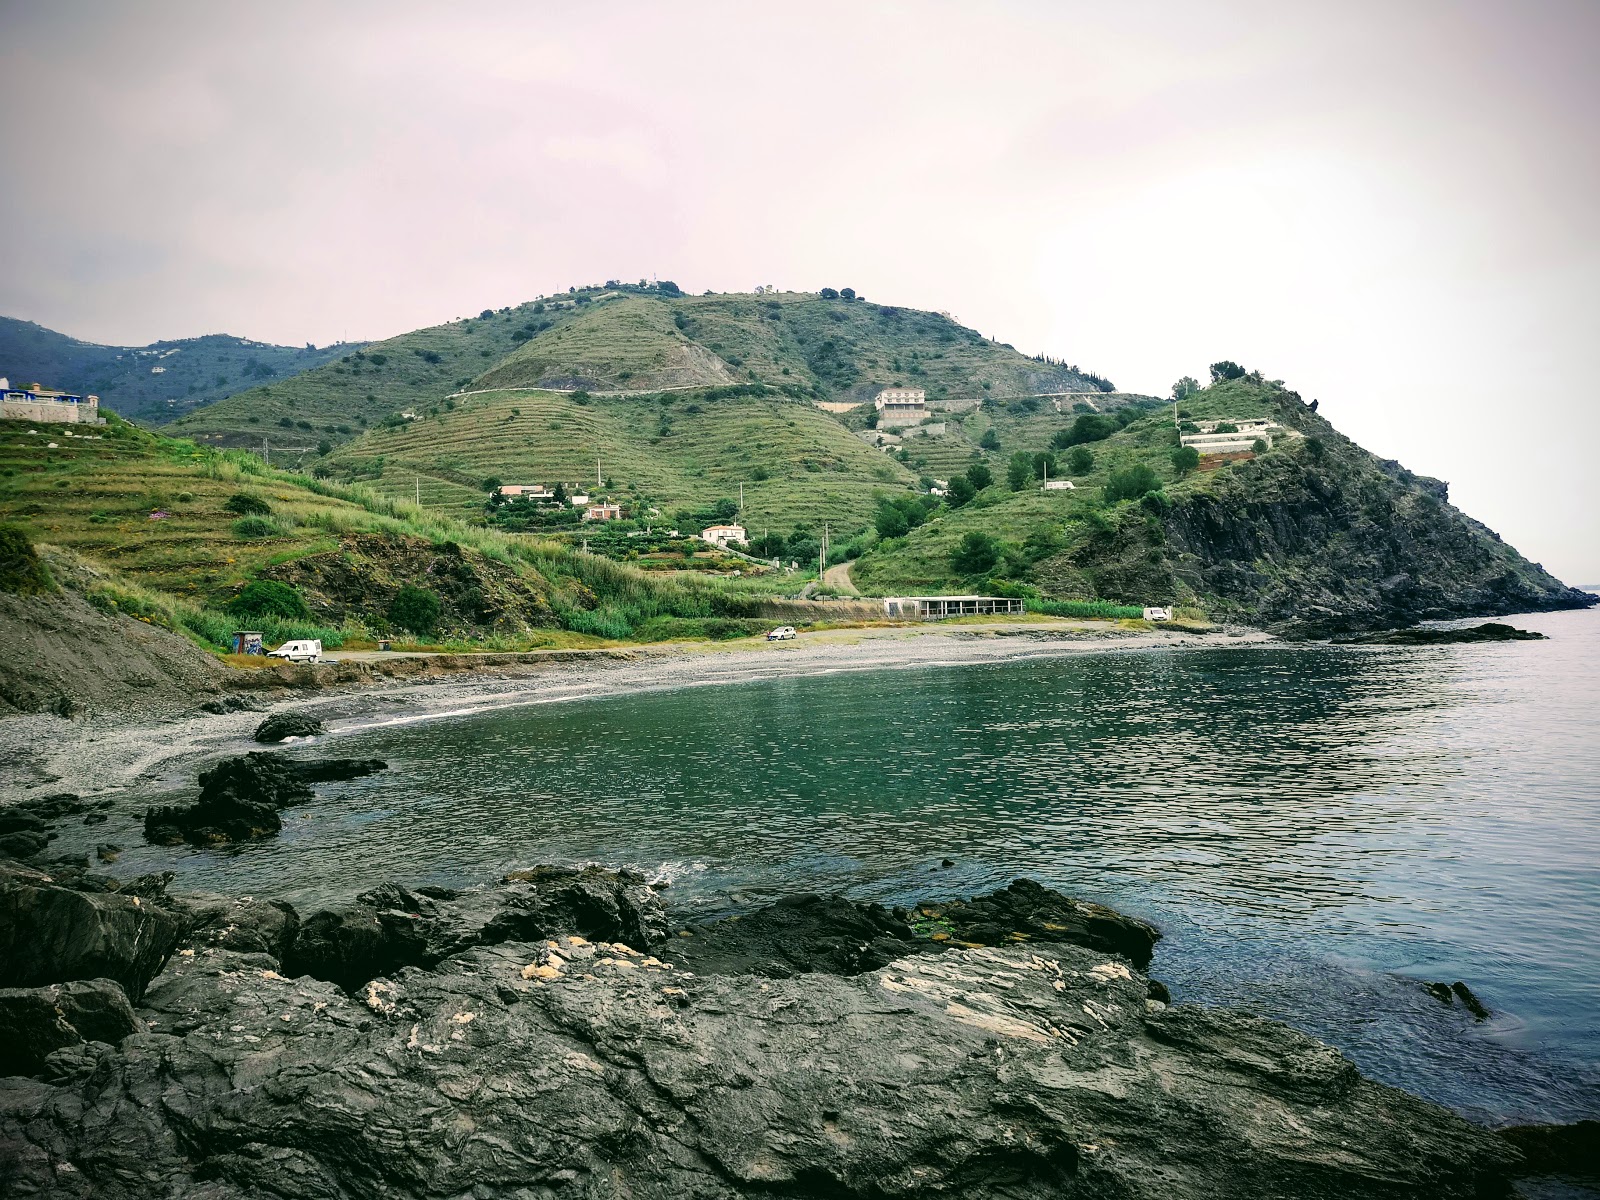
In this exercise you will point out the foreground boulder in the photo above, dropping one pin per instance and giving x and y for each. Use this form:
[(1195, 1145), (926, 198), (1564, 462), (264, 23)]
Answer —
[(35, 1022), (53, 933), (567, 1067), (283, 725), (391, 927)]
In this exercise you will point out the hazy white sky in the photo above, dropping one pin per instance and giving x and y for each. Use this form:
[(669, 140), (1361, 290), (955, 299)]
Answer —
[(1389, 206)]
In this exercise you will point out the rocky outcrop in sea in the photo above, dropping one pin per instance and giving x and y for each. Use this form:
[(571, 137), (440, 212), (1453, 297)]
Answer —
[(557, 1034)]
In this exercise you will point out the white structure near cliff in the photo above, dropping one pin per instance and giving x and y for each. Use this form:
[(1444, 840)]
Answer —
[(720, 535), (898, 407), (32, 402), (1242, 436)]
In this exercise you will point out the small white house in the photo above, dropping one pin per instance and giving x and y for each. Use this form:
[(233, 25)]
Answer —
[(1060, 485), (532, 491), (720, 535)]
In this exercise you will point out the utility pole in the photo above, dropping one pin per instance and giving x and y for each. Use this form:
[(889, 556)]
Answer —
[(418, 482), (266, 452), (822, 554)]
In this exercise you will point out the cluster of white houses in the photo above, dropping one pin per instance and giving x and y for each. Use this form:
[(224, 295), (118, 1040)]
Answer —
[(1242, 435), (34, 402)]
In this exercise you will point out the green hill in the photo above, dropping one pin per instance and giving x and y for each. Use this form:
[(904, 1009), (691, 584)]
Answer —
[(154, 383), (639, 339)]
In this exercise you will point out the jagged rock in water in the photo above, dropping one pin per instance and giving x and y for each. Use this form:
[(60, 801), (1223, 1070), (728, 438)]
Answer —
[(584, 1069), (240, 799), (287, 725), (34, 1022), (1029, 912), (1563, 1151), (52, 933), (25, 825), (327, 770), (1489, 631), (391, 927)]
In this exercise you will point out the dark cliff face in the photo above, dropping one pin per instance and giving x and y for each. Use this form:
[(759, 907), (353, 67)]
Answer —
[(1323, 535)]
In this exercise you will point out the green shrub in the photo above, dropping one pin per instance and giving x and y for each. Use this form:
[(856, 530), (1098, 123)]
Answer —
[(416, 609), (247, 505), (979, 476), (1104, 609), (21, 571), (976, 555), (1259, 446), (1080, 460), (1131, 482), (256, 527), (268, 597), (1226, 427), (990, 440), (1185, 459)]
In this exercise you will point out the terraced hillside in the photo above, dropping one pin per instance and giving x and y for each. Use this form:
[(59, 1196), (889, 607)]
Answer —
[(634, 340), (154, 383), (797, 464), (335, 402), (179, 530)]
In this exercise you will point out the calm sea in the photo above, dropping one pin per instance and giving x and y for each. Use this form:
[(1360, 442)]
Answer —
[(1315, 829)]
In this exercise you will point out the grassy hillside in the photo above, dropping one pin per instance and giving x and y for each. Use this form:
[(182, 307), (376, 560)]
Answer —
[(798, 465), (633, 339), (153, 383), (628, 339), (180, 530)]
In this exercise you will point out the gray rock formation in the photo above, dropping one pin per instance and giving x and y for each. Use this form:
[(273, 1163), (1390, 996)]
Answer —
[(52, 933), (569, 1067), (283, 725), (35, 1022)]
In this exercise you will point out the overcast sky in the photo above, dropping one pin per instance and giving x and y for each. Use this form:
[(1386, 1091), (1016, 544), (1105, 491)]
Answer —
[(1392, 207)]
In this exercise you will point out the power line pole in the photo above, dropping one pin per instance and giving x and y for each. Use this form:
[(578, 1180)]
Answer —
[(418, 481)]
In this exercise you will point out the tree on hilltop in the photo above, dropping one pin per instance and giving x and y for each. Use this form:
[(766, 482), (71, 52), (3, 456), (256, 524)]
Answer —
[(1185, 387), (1225, 370)]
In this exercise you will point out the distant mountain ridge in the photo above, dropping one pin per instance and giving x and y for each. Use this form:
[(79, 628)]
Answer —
[(155, 383)]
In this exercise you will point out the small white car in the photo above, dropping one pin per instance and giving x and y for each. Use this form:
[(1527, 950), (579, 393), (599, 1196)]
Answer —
[(309, 650), (783, 633)]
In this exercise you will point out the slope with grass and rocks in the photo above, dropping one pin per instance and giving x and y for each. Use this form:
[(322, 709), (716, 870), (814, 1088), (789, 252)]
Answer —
[(1310, 532), (155, 383)]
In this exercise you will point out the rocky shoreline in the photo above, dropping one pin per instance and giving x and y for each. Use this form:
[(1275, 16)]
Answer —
[(558, 1033)]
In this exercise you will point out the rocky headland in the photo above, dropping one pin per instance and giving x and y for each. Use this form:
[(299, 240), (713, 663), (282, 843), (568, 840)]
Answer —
[(558, 1033)]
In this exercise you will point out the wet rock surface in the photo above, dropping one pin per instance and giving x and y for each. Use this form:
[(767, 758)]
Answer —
[(283, 725), (807, 932), (519, 1057)]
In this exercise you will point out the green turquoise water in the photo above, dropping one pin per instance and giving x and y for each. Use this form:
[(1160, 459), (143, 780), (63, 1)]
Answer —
[(1315, 829)]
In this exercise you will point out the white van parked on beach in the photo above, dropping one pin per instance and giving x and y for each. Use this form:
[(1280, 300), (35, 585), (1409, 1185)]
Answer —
[(303, 651)]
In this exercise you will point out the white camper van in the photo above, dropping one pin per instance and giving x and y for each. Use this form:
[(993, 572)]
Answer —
[(302, 651)]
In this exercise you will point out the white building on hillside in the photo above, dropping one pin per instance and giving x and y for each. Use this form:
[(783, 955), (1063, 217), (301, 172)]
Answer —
[(720, 535), (901, 406), (33, 402), (1242, 436)]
